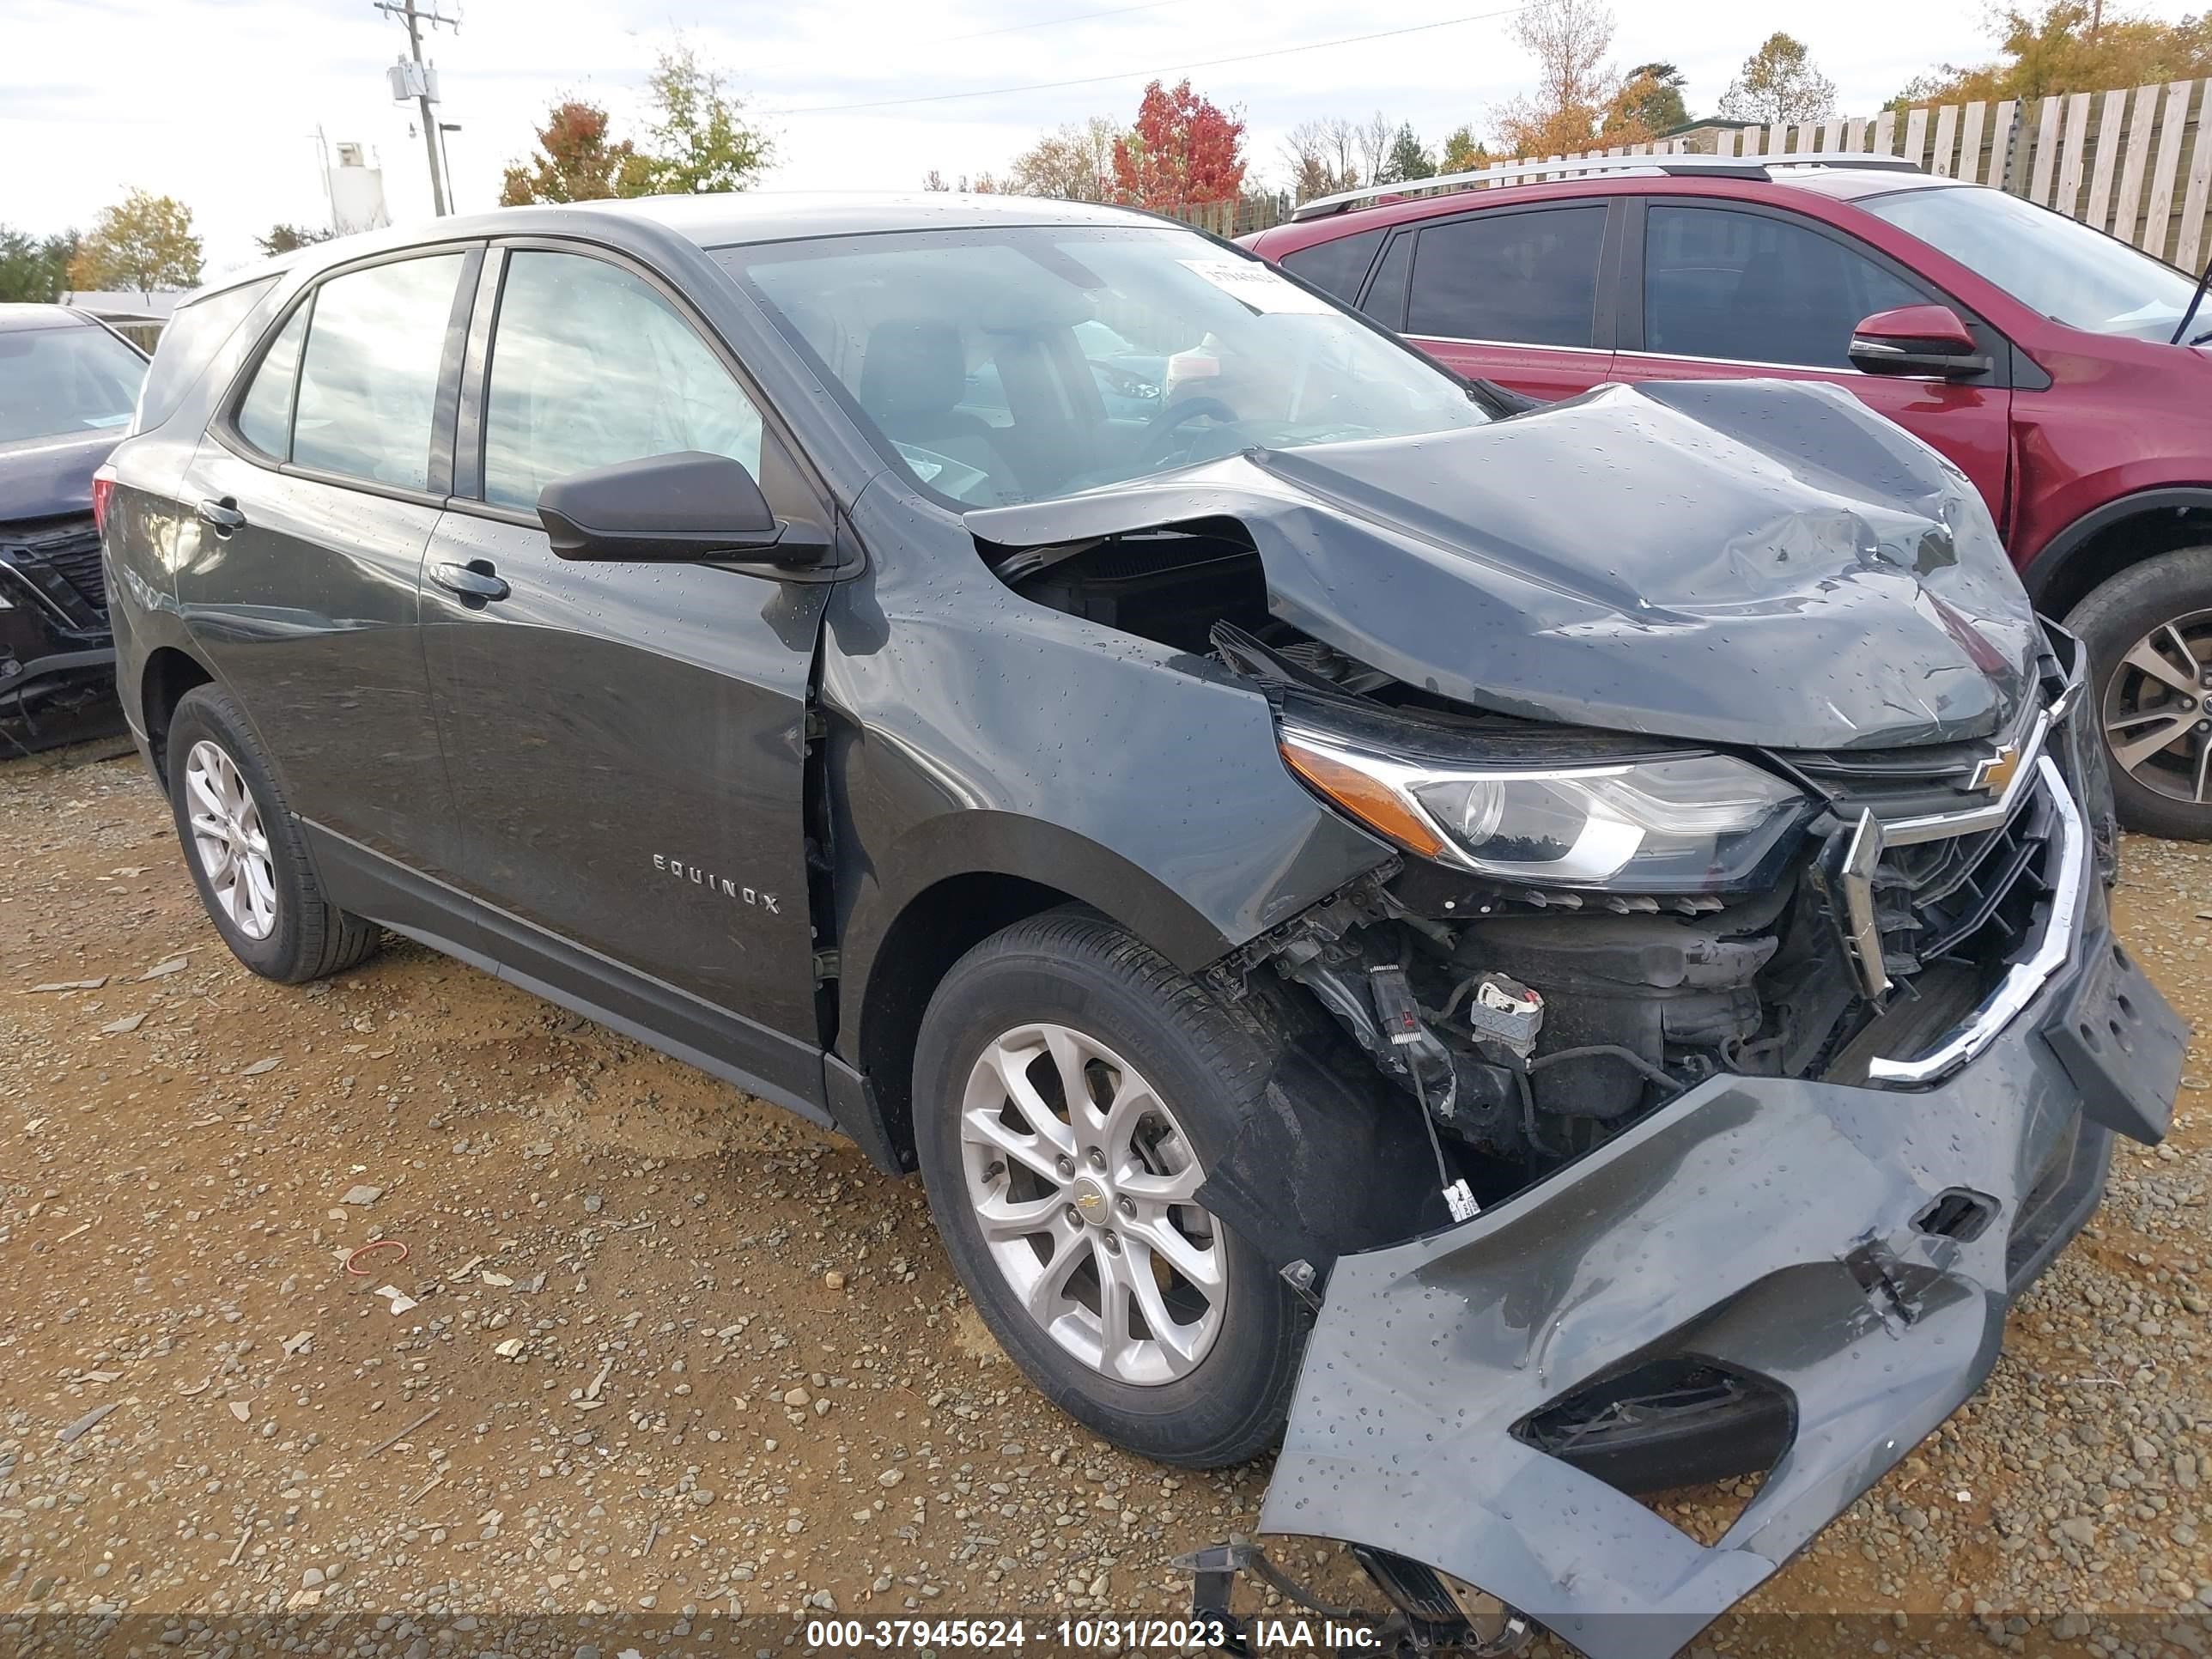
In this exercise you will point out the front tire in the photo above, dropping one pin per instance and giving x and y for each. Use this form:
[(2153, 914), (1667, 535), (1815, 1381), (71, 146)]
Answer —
[(2150, 633), (1072, 1090), (243, 848)]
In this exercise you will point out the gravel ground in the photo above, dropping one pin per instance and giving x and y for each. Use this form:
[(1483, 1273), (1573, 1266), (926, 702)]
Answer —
[(658, 1349)]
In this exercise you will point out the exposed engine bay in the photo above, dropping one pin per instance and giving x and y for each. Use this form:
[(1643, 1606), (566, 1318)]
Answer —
[(1533, 1022)]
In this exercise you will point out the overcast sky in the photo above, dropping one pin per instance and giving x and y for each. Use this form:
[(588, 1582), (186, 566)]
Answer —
[(217, 102)]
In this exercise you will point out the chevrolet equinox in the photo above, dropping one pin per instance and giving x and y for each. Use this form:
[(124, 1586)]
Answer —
[(1522, 953)]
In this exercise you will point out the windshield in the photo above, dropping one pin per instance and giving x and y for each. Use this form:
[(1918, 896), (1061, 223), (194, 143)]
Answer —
[(1016, 364), (2069, 273), (70, 378)]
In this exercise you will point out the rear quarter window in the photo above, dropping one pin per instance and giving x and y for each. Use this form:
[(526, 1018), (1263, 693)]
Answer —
[(1335, 267), (188, 344)]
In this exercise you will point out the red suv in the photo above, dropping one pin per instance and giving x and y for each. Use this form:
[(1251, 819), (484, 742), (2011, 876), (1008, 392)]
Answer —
[(2036, 353)]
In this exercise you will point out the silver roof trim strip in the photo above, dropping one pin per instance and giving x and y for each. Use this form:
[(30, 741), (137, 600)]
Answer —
[(1725, 165)]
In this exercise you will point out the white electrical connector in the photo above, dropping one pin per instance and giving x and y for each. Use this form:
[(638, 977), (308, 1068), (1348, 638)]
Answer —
[(1459, 1199)]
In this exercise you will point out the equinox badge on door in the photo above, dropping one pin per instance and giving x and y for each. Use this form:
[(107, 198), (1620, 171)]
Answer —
[(713, 883)]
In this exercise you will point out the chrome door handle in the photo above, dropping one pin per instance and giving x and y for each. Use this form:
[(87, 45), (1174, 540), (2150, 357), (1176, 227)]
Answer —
[(474, 581), (223, 515)]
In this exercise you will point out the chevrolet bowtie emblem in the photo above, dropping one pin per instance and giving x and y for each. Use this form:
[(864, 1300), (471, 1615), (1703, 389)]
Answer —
[(1995, 773)]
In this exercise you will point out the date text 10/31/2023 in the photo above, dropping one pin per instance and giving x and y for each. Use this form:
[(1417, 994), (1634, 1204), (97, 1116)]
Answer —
[(1110, 1635)]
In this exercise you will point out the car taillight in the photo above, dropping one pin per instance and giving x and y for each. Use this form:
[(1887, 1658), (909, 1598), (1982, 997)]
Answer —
[(101, 488)]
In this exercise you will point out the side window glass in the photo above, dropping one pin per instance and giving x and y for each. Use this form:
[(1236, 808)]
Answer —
[(264, 417), (1336, 267), (1751, 288), (1386, 294), (196, 333), (369, 379), (1529, 278), (589, 367)]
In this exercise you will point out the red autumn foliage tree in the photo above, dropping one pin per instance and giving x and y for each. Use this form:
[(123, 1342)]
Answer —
[(1183, 151), (575, 162)]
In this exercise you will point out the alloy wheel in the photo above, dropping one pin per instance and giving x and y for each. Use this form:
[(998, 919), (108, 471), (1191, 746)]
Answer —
[(229, 840), (1082, 1181), (2155, 717)]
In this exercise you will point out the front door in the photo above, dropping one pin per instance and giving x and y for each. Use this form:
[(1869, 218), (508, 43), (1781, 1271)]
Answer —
[(1512, 295), (627, 740), (321, 489), (1728, 292)]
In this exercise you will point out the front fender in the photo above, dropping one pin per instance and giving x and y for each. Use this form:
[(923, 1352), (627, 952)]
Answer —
[(988, 842), (971, 732)]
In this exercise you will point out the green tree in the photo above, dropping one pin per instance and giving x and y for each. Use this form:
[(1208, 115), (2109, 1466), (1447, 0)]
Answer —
[(1632, 115), (1409, 159), (1779, 83), (575, 162), (290, 238), (142, 243), (2070, 47), (1653, 94), (1462, 154), (32, 270), (699, 140)]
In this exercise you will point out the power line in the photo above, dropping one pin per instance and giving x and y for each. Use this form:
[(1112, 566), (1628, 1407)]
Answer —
[(1171, 69)]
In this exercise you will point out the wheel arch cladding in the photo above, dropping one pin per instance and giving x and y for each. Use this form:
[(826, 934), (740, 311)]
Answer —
[(2113, 537), (169, 673), (936, 928), (969, 875)]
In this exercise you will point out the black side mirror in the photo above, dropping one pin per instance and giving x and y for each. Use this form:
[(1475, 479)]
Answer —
[(1917, 340), (684, 508)]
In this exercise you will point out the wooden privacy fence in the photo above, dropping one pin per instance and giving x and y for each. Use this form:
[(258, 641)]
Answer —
[(2137, 162), (1237, 218)]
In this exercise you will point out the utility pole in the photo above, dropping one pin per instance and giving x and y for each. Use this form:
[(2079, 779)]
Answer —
[(323, 165), (445, 150), (419, 83)]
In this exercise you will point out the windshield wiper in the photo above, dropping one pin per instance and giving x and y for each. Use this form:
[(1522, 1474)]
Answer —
[(2189, 315)]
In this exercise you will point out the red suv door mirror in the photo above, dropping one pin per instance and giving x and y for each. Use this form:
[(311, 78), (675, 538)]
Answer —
[(1928, 340)]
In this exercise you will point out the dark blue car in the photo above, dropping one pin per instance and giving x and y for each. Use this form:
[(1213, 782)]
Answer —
[(69, 384)]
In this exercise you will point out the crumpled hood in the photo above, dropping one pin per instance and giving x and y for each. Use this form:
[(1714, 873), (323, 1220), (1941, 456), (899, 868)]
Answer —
[(45, 477), (1752, 562)]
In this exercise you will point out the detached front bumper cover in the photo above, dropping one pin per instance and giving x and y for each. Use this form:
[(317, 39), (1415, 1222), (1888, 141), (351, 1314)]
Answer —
[(1805, 1235)]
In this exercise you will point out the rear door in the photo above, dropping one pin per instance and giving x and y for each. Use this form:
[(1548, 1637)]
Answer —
[(1517, 295), (628, 741), (1724, 290), (306, 513)]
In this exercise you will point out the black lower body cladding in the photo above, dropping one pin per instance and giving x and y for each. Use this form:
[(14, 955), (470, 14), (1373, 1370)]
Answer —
[(1855, 1249)]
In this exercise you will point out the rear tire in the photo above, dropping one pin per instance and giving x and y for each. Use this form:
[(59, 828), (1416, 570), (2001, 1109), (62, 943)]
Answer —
[(244, 850), (2150, 633), (1070, 994)]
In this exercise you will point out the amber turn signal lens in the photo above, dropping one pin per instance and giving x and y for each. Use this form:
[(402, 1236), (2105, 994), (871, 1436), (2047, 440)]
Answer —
[(1367, 800)]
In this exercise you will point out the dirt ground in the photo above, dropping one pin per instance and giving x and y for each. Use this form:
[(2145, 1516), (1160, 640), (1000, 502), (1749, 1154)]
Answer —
[(653, 1346)]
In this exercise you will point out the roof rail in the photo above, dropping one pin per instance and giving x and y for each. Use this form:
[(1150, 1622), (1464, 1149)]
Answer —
[(1724, 166)]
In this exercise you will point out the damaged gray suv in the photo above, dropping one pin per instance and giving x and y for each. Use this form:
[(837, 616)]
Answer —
[(1526, 954)]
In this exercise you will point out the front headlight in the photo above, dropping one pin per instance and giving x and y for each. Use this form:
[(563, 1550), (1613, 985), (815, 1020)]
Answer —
[(1685, 823)]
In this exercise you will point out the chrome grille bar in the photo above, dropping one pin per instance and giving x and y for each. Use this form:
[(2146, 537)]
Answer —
[(2024, 980)]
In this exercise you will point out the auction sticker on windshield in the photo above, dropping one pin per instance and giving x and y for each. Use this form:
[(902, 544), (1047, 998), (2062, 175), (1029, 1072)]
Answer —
[(1256, 285)]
